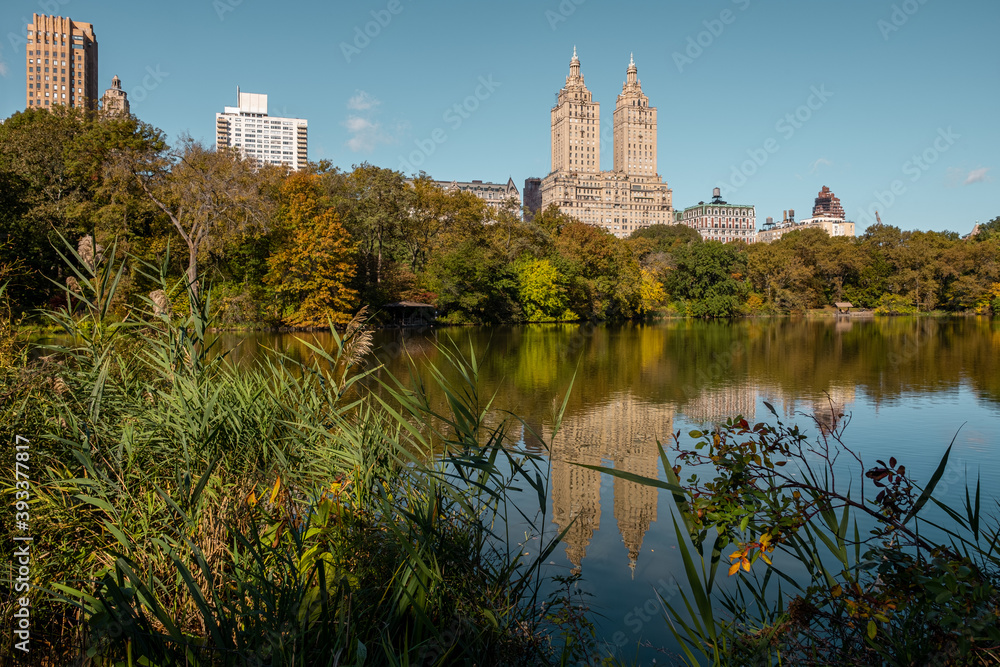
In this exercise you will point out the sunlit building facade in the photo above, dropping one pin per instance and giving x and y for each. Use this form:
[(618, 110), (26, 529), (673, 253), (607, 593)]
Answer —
[(632, 195)]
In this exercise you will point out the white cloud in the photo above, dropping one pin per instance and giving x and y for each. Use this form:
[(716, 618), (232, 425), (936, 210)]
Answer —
[(366, 131), (365, 134), (362, 101), (977, 176), (816, 165), (358, 124)]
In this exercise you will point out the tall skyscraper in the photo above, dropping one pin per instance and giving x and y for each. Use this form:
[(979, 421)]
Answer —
[(630, 196), (61, 63), (267, 139)]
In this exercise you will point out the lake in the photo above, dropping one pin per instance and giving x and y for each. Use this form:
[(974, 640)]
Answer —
[(908, 386)]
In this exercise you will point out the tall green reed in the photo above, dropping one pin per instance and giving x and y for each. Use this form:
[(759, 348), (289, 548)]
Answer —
[(200, 512)]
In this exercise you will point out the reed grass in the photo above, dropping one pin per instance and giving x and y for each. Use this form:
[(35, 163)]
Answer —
[(192, 511)]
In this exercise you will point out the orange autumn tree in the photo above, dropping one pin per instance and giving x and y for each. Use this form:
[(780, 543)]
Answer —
[(314, 263)]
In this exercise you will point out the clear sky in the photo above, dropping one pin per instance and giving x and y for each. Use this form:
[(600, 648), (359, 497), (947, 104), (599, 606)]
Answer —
[(894, 105)]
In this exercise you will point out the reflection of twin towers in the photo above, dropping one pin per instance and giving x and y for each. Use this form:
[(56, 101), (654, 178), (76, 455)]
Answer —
[(622, 433), (624, 430)]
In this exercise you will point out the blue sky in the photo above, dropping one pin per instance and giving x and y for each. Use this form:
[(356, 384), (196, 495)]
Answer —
[(894, 105)]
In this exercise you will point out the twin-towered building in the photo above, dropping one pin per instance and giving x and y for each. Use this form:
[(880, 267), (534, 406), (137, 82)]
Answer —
[(630, 196)]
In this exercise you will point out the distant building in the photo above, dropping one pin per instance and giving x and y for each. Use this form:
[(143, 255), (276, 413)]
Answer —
[(828, 205), (828, 215), (721, 221), (115, 100), (496, 195), (532, 198), (631, 196), (61, 63), (267, 139)]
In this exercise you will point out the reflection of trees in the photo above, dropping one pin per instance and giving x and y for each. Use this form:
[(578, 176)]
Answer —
[(630, 378)]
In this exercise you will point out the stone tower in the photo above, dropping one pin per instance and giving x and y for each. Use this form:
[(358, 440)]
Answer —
[(115, 100), (635, 128), (576, 126)]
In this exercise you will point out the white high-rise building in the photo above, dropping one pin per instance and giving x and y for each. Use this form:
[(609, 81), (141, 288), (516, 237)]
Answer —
[(267, 139)]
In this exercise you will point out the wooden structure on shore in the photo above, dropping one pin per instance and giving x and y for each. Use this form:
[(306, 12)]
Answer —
[(410, 314)]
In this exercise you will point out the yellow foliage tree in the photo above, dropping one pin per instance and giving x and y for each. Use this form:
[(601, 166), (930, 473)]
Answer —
[(311, 270), (651, 293)]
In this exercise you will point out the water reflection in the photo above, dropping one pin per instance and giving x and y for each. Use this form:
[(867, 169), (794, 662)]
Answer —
[(635, 384), (622, 432)]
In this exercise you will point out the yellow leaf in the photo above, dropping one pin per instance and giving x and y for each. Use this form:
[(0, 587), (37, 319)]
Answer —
[(734, 569), (836, 591), (872, 629), (746, 565), (276, 489), (764, 556), (252, 498)]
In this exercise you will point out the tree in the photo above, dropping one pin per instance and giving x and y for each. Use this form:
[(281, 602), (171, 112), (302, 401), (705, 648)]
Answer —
[(709, 279), (540, 291), (208, 196), (989, 230), (374, 203), (60, 182), (475, 284), (313, 267), (602, 274)]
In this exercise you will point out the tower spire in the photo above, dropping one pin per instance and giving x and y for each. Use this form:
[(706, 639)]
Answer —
[(574, 65)]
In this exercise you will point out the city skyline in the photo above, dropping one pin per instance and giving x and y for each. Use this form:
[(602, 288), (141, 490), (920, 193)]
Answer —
[(892, 104)]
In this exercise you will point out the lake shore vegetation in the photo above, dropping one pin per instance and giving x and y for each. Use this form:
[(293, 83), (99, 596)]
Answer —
[(283, 250)]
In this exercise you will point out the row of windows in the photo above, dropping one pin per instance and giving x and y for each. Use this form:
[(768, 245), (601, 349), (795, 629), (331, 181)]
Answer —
[(63, 95), (51, 34)]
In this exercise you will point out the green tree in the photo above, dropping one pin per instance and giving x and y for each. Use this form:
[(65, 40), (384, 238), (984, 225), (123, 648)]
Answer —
[(603, 276), (540, 291), (475, 284), (374, 204), (60, 177), (209, 196), (709, 279)]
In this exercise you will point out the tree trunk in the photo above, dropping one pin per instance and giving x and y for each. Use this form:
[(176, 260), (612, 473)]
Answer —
[(192, 275)]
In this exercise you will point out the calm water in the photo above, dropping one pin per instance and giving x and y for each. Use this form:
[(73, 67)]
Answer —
[(909, 385)]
